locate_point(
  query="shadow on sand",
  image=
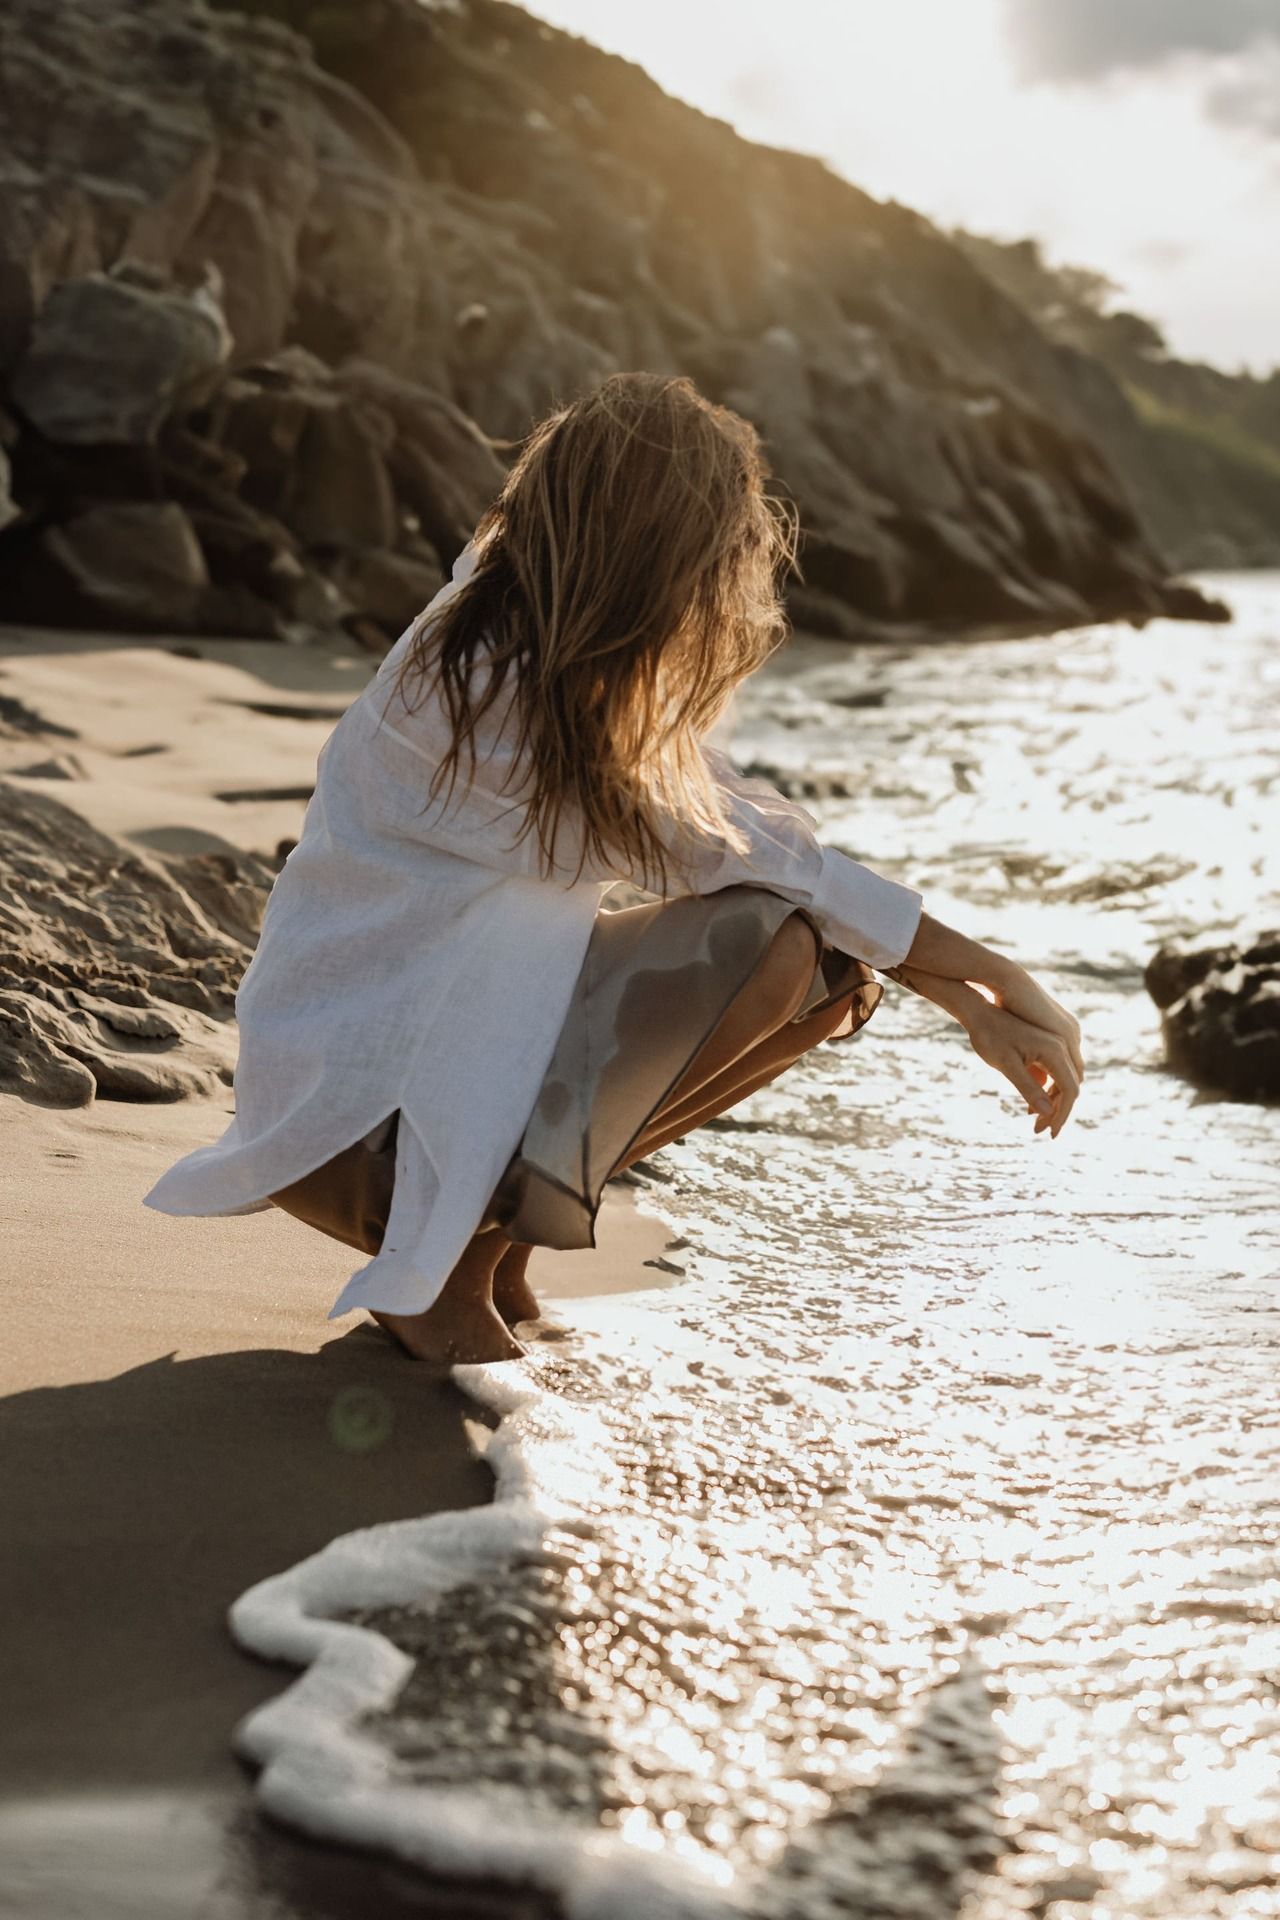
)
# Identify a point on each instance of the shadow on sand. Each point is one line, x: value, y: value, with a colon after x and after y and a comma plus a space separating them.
x: 134, y: 1511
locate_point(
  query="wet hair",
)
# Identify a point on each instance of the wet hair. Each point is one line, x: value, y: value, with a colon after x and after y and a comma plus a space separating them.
x: 627, y: 579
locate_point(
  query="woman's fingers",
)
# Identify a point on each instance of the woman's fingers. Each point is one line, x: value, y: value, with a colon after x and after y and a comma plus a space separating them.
x: 1062, y: 1068
x: 1047, y: 1081
x: 1021, y: 1075
x: 1027, y: 1000
x: 1038, y: 1062
x: 1072, y: 1038
x: 1066, y: 1084
x: 1066, y: 1029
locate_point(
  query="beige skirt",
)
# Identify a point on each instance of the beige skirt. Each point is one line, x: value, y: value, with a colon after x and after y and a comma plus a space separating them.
x: 655, y: 983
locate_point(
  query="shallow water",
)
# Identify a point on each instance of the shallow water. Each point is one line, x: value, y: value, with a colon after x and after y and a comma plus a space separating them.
x: 916, y: 1554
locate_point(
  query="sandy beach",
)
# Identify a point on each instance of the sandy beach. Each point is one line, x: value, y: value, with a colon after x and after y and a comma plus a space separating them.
x: 179, y: 1418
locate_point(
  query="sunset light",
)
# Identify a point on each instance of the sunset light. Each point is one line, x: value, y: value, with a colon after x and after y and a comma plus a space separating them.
x: 640, y: 959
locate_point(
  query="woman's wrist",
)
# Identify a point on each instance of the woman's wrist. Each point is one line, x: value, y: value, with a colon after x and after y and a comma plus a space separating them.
x: 946, y: 954
x: 1002, y: 973
x: 955, y: 997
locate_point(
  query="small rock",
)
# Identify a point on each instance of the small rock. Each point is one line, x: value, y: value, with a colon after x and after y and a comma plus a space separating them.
x: 61, y: 766
x: 873, y: 697
x: 1220, y: 1015
x: 1080, y: 1885
x: 16, y: 718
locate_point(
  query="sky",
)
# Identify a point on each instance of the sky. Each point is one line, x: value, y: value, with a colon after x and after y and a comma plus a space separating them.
x: 1137, y: 137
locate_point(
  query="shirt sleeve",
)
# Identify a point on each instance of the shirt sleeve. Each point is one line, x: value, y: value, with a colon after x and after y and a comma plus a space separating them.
x: 857, y: 910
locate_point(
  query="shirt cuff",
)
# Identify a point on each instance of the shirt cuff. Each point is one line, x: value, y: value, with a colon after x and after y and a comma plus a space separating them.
x: 864, y: 914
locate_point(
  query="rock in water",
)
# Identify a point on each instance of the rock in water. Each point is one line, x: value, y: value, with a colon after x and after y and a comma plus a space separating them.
x: 1220, y: 1012
x: 117, y: 973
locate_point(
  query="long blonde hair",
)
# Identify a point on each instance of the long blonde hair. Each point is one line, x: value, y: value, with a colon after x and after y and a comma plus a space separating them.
x: 627, y: 576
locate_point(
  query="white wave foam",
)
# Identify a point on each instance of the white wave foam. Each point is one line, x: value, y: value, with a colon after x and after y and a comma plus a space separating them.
x: 322, y: 1774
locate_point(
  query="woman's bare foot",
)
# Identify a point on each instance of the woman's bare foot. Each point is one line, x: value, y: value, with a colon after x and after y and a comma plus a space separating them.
x: 463, y: 1325
x: 514, y: 1298
x: 478, y: 1333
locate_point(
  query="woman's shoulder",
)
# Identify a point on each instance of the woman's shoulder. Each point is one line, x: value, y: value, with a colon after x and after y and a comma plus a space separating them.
x: 463, y: 568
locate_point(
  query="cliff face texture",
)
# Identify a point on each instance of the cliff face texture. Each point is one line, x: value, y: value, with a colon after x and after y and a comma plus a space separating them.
x: 1199, y: 449
x: 274, y: 282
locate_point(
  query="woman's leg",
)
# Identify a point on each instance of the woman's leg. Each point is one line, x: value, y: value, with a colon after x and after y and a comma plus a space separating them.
x: 753, y: 1070
x: 765, y: 1005
x: 756, y: 1039
x: 733, y: 1061
x: 513, y: 1296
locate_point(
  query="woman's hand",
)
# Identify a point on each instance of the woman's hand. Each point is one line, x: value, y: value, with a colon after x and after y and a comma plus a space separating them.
x: 1037, y: 1061
x: 1016, y: 993
x: 1044, y: 1063
x: 939, y: 949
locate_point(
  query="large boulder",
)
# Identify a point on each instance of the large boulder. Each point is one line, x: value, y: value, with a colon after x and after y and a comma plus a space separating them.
x: 313, y: 456
x: 112, y: 355
x: 445, y: 469
x: 1220, y: 1014
x: 389, y: 589
x: 132, y: 566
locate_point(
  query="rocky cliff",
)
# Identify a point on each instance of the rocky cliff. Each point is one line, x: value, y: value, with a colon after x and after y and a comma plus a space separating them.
x: 1198, y: 448
x: 279, y: 286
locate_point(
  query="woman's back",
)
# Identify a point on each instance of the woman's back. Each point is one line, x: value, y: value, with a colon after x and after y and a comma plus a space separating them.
x: 396, y: 968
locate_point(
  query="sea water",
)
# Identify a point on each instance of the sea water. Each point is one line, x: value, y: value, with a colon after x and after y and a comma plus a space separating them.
x: 914, y: 1554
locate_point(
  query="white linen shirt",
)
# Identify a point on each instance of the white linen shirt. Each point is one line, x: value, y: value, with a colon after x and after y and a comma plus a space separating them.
x: 419, y: 960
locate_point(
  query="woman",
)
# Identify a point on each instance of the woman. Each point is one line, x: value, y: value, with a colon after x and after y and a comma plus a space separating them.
x: 446, y: 1047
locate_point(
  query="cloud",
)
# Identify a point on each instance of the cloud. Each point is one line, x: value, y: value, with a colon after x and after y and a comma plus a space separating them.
x: 1162, y: 255
x: 1247, y: 93
x: 1083, y: 40
x: 758, y: 90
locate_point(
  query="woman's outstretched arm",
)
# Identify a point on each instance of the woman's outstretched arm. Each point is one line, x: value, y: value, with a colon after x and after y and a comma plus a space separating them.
x: 861, y: 912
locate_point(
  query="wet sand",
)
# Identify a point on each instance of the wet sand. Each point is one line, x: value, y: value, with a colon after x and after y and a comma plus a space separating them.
x: 178, y: 1421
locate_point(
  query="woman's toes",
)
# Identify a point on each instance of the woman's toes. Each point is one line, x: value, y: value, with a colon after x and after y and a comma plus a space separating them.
x: 478, y: 1337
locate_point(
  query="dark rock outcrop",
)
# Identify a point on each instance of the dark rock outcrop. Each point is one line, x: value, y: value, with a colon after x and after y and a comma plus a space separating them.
x: 112, y: 355
x: 135, y: 566
x: 1220, y: 1013
x: 330, y: 256
x: 117, y: 973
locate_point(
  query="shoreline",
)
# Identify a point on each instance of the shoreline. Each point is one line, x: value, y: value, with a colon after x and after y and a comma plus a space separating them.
x: 184, y: 1422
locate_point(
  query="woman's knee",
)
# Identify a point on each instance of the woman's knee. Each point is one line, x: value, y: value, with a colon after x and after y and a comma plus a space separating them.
x: 785, y: 975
